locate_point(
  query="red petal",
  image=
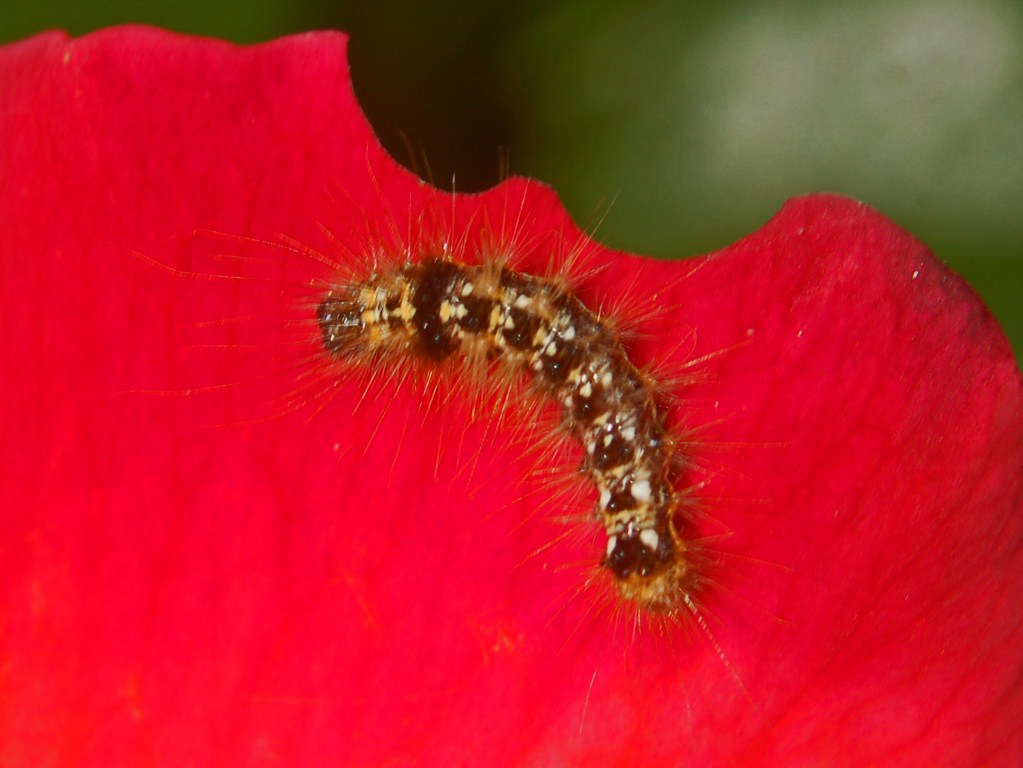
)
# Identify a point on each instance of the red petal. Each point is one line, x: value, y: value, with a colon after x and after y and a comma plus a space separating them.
x: 176, y: 593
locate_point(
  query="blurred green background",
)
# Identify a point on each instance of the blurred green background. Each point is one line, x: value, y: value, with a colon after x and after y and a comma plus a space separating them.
x: 682, y: 126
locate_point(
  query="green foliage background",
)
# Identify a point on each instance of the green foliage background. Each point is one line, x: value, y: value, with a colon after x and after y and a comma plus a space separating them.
x: 682, y: 126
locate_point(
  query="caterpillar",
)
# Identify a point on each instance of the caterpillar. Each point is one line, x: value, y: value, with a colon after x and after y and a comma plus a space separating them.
x: 441, y: 309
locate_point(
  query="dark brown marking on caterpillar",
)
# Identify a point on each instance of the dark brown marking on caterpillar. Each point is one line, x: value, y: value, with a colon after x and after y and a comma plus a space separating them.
x: 440, y: 309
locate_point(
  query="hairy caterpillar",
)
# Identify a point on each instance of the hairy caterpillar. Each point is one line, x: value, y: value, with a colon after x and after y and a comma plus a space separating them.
x: 440, y: 309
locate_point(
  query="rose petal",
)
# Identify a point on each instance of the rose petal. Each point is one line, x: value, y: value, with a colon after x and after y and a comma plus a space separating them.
x: 188, y: 581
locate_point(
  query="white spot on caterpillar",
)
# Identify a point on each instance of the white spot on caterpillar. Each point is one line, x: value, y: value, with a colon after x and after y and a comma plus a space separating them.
x: 649, y: 538
x: 641, y: 491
